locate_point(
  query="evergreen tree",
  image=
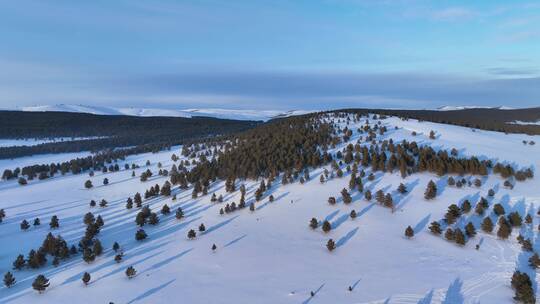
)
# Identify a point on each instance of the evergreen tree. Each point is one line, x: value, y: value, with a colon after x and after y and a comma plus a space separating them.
x: 452, y: 214
x: 326, y: 226
x: 153, y: 219
x: 402, y: 189
x: 330, y: 245
x: 409, y: 232
x: 40, y: 283
x: 534, y: 261
x: 9, y: 279
x: 131, y: 272
x: 105, y: 181
x: 431, y: 190
x: 332, y: 200
x: 514, y: 219
x: 505, y: 229
x: 97, y: 248
x: 466, y: 206
x: 86, y: 278
x: 54, y: 222
x: 313, y: 223
x: 353, y: 214
x: 214, y: 247
x: 37, y: 222
x: 367, y: 195
x: 459, y: 237
x: 435, y: 227
x: 140, y: 235
x: 191, y: 234
x: 252, y: 207
x: 92, y: 203
x: 179, y: 213
x: 118, y: 258
x: 138, y: 200
x: 88, y: 184
x: 498, y: 209
x: 449, y: 234
x: 202, y: 228
x: 522, y: 284
x: 116, y: 246
x: 140, y: 219
x: 24, y: 225
x: 165, y: 209
x: 487, y: 225
x: 19, y: 263
x: 470, y: 231
x: 88, y: 255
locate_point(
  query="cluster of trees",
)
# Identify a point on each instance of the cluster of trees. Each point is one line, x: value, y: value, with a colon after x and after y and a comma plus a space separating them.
x: 55, y: 246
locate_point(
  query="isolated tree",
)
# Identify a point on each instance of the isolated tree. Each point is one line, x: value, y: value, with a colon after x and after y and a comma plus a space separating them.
x: 332, y: 200
x: 118, y: 258
x: 505, y: 229
x: 202, y: 228
x: 88, y: 184
x: 214, y: 247
x: 86, y: 278
x: 138, y: 200
x: 409, y: 232
x: 487, y: 225
x: 402, y: 189
x: 191, y: 234
x: 313, y: 223
x: 534, y: 261
x: 103, y: 203
x: 252, y: 207
x: 105, y: 181
x: 24, y: 225
x: 326, y: 226
x: 367, y: 195
x: 92, y: 203
x: 40, y: 283
x: 330, y: 245
x: 435, y: 227
x: 165, y: 209
x: 130, y: 272
x: 54, y: 222
x: 179, y: 213
x: 431, y: 190
x: 353, y: 214
x: 140, y: 235
x: 116, y: 246
x: 37, y: 222
x: 9, y: 279
x: 19, y: 262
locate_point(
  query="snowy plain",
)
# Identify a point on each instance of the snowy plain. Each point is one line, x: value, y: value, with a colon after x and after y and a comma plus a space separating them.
x: 271, y: 255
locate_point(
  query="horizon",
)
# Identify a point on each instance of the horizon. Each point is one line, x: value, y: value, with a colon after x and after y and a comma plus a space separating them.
x: 279, y: 55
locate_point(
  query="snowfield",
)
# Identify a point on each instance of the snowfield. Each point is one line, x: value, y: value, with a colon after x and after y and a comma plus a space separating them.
x: 271, y: 255
x: 263, y: 115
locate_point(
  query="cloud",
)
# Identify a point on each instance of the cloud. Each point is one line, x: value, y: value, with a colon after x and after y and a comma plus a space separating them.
x: 502, y: 71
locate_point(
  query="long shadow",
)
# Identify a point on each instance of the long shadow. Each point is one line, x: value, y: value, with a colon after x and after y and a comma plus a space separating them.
x: 342, y: 241
x: 151, y: 292
x: 422, y: 224
x: 453, y: 294
x: 441, y: 185
x: 353, y: 286
x: 167, y: 260
x: 427, y: 298
x: 234, y: 241
x: 365, y: 210
x: 314, y: 294
x: 120, y: 269
x: 340, y: 220
x: 217, y: 226
x: 330, y: 216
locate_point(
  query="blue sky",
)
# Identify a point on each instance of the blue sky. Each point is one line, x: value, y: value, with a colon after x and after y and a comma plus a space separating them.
x: 280, y: 54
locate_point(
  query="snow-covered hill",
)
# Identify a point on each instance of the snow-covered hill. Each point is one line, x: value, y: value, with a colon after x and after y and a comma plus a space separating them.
x: 270, y: 255
x: 263, y: 115
x: 457, y: 108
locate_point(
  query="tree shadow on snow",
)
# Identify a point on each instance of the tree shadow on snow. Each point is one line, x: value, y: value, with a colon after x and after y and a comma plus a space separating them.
x: 151, y: 292
x: 342, y: 241
x: 453, y: 294
x: 314, y: 294
x: 422, y: 224
x: 427, y: 298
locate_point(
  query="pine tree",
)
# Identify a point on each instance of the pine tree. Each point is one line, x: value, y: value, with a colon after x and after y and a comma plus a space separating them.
x: 522, y: 284
x: 24, y: 225
x: 534, y: 261
x: 470, y: 231
x: 54, y: 222
x: 40, y: 283
x: 165, y: 209
x: 409, y: 232
x: 514, y: 219
x: 9, y: 279
x: 202, y: 228
x: 105, y: 181
x: 191, y: 234
x: 37, y: 222
x: 431, y: 190
x: 92, y: 203
x: 97, y: 248
x: 86, y: 278
x: 528, y: 219
x: 453, y: 213
x: 435, y: 227
x: 459, y: 237
x: 19, y: 263
x: 326, y: 226
x: 153, y: 219
x: 116, y: 246
x: 140, y: 235
x: 313, y: 223
x: 498, y: 209
x: 88, y: 184
x: 449, y: 234
x: 88, y: 255
x: 402, y: 189
x: 367, y: 195
x: 179, y: 213
x: 353, y: 214
x: 504, y: 228
x: 332, y: 200
x: 130, y: 272
x: 487, y: 225
x: 214, y: 247
x: 330, y: 245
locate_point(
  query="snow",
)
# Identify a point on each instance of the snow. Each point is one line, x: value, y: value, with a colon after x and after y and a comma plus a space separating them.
x: 457, y: 108
x: 263, y: 115
x: 271, y: 255
x: 519, y: 122
x: 5, y: 142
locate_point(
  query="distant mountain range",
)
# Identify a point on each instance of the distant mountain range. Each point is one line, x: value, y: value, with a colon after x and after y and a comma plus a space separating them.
x: 258, y: 115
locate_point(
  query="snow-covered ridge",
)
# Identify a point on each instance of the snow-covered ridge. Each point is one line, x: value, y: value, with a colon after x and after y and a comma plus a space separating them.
x: 457, y: 108
x: 263, y: 115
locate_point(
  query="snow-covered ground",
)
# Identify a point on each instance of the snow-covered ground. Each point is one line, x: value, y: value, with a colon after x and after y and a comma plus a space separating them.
x: 5, y: 142
x: 271, y: 255
x: 263, y: 115
x: 457, y: 108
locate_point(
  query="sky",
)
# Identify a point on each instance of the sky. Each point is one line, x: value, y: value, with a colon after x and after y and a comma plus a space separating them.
x: 279, y: 54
